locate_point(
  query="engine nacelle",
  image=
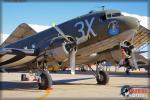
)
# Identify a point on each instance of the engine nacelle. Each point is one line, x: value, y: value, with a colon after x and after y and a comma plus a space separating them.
x: 60, y: 53
x: 60, y: 49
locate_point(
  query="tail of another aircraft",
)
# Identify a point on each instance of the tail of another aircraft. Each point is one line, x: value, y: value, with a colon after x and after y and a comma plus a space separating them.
x: 22, y: 31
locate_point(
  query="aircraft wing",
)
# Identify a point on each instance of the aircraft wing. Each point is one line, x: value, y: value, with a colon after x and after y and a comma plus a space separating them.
x: 15, y: 56
x: 142, y: 37
x: 15, y: 51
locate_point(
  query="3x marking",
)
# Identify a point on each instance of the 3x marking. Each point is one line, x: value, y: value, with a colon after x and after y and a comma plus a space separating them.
x: 81, y: 29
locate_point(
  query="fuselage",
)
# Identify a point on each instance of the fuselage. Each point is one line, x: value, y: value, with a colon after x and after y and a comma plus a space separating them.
x: 103, y: 24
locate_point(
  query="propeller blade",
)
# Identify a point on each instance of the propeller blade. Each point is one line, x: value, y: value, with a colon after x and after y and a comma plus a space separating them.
x: 61, y: 33
x: 133, y: 36
x: 133, y: 52
x: 134, y: 60
x: 141, y: 51
x: 72, y: 51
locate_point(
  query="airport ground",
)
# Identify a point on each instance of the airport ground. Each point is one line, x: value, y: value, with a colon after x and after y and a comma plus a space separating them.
x: 81, y: 85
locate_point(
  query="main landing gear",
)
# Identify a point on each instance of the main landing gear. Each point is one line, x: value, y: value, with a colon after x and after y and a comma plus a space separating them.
x: 43, y: 76
x: 44, y: 80
x: 101, y: 76
x: 127, y: 71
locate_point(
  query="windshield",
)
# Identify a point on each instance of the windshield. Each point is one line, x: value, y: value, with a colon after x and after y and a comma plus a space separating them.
x: 109, y: 15
x: 116, y: 14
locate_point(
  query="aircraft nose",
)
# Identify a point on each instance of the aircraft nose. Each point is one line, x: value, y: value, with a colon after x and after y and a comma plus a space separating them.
x: 122, y: 24
x: 130, y: 22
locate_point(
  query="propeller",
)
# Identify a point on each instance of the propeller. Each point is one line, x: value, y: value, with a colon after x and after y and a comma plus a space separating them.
x: 71, y: 47
x: 128, y: 51
x: 61, y: 32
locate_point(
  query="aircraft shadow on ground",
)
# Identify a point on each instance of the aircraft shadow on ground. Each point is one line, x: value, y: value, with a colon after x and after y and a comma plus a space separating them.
x: 68, y: 81
x: 111, y: 74
x: 77, y: 72
x: 5, y: 85
x: 131, y: 75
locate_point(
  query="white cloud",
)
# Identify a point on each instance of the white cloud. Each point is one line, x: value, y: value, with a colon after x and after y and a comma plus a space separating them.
x: 4, y: 37
x: 39, y: 28
x: 144, y: 20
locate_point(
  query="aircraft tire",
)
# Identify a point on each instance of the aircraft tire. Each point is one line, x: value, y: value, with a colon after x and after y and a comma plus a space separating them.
x: 46, y: 81
x: 102, y: 78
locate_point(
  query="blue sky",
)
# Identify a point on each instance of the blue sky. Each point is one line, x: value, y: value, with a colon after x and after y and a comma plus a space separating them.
x: 45, y: 13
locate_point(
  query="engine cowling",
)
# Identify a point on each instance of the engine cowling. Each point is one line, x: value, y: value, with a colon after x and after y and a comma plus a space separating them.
x: 60, y: 48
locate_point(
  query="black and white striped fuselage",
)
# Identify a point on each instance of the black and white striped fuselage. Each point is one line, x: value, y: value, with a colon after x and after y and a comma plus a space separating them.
x: 15, y: 57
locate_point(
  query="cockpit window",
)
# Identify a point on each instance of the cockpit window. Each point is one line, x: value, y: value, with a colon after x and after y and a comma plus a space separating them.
x: 116, y: 14
x: 108, y: 15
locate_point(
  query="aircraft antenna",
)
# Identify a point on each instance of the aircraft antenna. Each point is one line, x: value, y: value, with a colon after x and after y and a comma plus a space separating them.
x: 103, y: 7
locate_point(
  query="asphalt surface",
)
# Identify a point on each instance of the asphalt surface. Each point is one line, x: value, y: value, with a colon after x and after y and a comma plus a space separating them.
x: 81, y: 85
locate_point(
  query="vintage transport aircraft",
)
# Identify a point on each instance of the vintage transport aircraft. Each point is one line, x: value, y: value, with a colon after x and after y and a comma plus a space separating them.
x: 73, y: 40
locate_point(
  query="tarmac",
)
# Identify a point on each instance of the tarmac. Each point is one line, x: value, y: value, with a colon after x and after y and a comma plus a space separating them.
x: 82, y: 85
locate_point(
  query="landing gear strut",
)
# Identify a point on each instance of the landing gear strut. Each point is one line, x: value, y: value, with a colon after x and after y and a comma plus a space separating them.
x: 44, y: 77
